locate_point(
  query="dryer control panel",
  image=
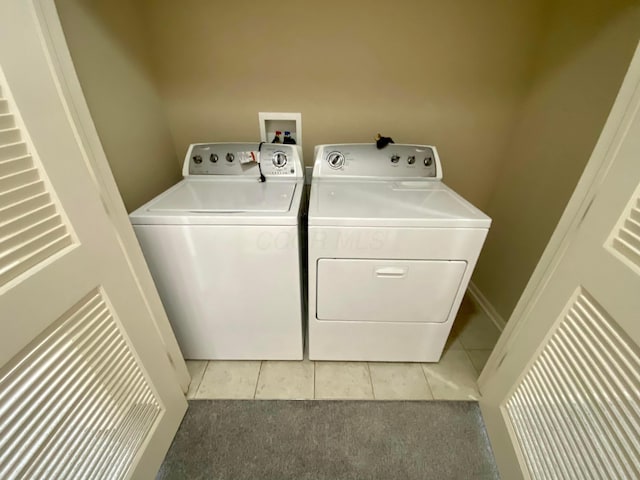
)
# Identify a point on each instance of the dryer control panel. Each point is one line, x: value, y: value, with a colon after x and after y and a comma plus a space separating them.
x: 395, y: 161
x: 241, y: 159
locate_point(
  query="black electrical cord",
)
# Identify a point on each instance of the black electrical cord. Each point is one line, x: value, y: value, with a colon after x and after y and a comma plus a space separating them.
x: 382, y: 142
x: 262, y: 178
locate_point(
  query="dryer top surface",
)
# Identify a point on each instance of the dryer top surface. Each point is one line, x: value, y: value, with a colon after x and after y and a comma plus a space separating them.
x: 392, y: 203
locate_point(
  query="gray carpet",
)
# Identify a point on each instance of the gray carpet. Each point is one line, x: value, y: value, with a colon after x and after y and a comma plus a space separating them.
x: 239, y: 439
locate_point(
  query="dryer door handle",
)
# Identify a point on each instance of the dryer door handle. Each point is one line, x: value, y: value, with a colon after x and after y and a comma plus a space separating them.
x: 391, y: 272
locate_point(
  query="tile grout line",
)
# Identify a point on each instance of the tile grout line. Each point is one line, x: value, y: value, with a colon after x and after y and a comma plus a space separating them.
x: 426, y: 379
x: 477, y: 374
x: 373, y: 393
x: 195, y: 395
x: 474, y: 367
x: 255, y: 390
x: 201, y: 378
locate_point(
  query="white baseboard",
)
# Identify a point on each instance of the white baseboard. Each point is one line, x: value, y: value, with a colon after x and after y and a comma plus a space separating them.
x: 483, y: 302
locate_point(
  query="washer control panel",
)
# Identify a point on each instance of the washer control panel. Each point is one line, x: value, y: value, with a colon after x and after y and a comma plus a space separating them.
x: 276, y: 160
x: 365, y: 160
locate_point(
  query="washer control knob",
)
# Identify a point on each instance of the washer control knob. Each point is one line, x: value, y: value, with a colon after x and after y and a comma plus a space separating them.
x: 395, y: 158
x: 213, y: 158
x: 279, y: 159
x: 428, y: 161
x: 197, y: 159
x: 335, y: 160
x: 411, y: 159
x: 230, y: 157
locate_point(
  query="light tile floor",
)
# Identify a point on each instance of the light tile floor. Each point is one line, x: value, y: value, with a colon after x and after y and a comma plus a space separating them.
x: 454, y: 378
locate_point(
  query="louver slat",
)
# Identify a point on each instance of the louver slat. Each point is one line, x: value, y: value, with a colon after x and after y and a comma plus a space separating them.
x: 626, y: 241
x: 15, y: 165
x: 22, y: 201
x: 16, y: 180
x: 40, y: 230
x: 632, y: 226
x: 12, y: 150
x: 33, y: 259
x: 9, y: 135
x: 31, y: 226
x: 89, y: 448
x: 94, y: 413
x: 579, y: 403
x: 36, y: 412
x: 7, y: 121
x: 22, y: 222
x: 75, y: 404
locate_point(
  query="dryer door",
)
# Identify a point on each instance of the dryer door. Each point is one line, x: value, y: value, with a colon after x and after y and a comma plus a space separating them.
x: 387, y: 290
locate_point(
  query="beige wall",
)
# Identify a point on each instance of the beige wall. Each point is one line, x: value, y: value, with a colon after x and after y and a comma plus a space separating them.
x: 446, y: 73
x: 514, y: 94
x: 583, y: 57
x: 107, y: 44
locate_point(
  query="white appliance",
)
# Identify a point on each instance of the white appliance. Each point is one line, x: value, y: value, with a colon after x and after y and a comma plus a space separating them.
x: 224, y: 251
x: 391, y: 251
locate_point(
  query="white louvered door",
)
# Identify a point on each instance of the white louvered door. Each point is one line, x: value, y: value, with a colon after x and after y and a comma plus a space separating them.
x: 86, y: 388
x: 564, y: 400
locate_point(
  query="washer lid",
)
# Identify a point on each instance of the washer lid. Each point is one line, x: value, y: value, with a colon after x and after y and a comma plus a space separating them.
x: 203, y: 201
x: 392, y: 203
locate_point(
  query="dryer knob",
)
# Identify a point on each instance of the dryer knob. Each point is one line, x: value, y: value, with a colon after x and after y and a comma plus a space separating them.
x: 230, y: 157
x: 395, y: 158
x: 335, y: 160
x: 279, y: 159
x: 411, y: 160
x: 213, y: 158
x: 197, y: 159
x: 428, y: 161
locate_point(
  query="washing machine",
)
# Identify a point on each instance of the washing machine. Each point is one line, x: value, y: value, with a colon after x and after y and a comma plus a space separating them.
x: 223, y: 248
x: 391, y: 249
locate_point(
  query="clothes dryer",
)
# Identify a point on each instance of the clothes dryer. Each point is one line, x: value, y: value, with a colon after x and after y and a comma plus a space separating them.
x: 391, y: 249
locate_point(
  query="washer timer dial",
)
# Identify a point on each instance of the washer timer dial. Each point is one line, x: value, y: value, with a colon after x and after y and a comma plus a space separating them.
x: 335, y: 160
x: 279, y: 159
